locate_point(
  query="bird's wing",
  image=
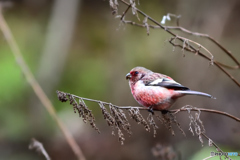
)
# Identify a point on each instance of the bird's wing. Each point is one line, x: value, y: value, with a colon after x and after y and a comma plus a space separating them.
x: 165, y: 81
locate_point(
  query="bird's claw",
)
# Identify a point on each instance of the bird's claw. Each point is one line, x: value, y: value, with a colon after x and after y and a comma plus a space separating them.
x: 151, y: 110
x: 164, y: 111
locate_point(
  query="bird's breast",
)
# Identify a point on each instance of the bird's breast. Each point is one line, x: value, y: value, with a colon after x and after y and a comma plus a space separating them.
x: 151, y: 95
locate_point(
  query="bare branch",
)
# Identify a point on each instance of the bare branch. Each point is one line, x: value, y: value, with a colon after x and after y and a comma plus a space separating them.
x: 215, y: 145
x: 220, y: 65
x: 125, y: 12
x: 192, y: 33
x: 211, y: 39
x: 175, y: 111
x: 186, y: 41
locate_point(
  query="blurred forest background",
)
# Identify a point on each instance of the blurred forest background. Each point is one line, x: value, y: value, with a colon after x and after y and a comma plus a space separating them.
x: 79, y: 47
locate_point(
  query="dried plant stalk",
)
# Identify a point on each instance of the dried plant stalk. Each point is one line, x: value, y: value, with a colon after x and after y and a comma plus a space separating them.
x: 117, y: 119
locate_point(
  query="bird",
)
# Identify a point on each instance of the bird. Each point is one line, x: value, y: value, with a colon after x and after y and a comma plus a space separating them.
x: 157, y: 91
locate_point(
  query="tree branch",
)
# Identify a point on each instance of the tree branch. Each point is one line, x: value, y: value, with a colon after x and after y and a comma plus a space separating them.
x: 220, y: 65
x: 211, y: 39
x: 175, y: 111
x: 214, y: 144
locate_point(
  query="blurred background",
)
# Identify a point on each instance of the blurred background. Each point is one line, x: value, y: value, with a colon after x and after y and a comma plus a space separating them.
x: 79, y: 47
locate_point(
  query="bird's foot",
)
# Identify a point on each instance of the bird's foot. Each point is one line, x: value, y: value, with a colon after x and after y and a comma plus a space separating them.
x: 164, y: 111
x: 151, y: 110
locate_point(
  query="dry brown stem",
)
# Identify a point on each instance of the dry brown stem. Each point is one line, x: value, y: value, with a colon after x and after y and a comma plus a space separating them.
x: 118, y: 120
x: 36, y: 87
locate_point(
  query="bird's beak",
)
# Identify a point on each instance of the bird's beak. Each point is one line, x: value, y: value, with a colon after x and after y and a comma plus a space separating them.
x: 128, y: 76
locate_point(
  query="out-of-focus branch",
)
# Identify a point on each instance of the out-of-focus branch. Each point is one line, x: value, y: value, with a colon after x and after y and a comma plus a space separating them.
x: 36, y: 87
x: 58, y: 39
x: 38, y: 146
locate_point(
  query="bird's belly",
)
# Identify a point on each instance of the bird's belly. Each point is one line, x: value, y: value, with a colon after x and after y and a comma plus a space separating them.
x: 157, y: 97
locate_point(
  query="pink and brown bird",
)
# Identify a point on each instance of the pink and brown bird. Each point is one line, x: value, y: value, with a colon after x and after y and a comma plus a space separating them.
x: 156, y: 91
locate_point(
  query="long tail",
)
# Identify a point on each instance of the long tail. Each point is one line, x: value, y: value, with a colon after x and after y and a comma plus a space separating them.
x: 189, y: 92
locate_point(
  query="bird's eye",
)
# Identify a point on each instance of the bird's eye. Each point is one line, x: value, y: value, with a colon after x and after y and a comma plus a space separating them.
x: 136, y: 72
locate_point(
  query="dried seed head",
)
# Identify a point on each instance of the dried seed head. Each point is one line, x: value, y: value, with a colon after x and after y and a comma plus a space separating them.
x: 152, y: 123
x: 83, y: 111
x: 121, y: 121
x: 166, y: 120
x: 114, y: 6
x: 120, y: 136
x: 195, y: 122
x: 137, y: 116
x: 62, y: 96
x: 107, y: 116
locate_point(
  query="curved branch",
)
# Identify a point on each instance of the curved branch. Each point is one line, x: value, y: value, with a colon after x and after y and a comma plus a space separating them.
x: 175, y: 111
x: 192, y: 33
x: 211, y: 39
x: 218, y: 64
x: 193, y: 50
x: 214, y: 144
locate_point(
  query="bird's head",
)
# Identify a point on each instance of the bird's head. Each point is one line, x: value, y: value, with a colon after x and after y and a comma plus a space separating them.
x: 137, y: 73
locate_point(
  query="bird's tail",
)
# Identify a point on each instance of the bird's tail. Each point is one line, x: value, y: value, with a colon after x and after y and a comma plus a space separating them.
x: 189, y: 92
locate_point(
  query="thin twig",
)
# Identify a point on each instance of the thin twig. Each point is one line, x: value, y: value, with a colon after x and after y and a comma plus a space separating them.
x: 215, y: 145
x: 188, y: 40
x: 175, y: 111
x: 125, y: 12
x: 218, y: 64
x: 210, y: 38
x: 192, y: 33
x: 36, y: 87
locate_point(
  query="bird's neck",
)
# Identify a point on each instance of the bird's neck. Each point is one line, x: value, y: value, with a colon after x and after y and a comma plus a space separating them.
x: 132, y: 86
